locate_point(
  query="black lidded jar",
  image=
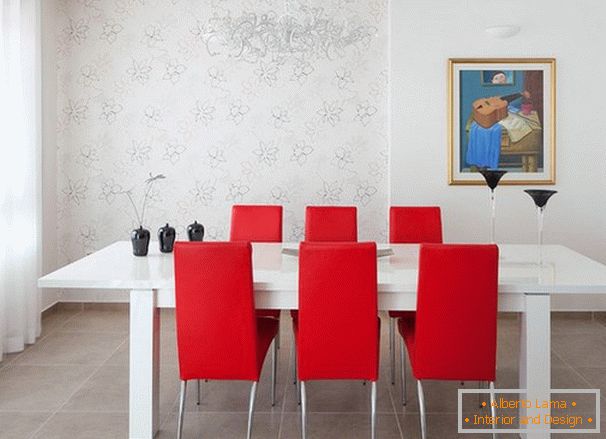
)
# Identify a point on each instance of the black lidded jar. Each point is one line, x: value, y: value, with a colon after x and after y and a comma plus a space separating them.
x: 166, y: 238
x: 195, y: 231
x: 140, y: 240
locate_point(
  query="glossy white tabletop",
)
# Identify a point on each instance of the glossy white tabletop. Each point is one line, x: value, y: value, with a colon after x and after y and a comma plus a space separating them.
x: 114, y: 267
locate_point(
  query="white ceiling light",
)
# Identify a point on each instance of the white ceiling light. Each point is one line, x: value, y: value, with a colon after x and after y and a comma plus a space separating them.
x: 502, y: 31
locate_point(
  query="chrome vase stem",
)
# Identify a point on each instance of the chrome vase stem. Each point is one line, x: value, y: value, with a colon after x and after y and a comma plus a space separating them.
x: 493, y: 216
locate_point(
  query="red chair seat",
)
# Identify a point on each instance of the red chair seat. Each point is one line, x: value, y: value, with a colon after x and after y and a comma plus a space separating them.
x: 268, y: 313
x: 401, y: 314
x: 267, y: 328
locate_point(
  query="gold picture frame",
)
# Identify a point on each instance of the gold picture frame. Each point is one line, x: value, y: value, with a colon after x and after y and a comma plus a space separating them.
x: 522, y: 141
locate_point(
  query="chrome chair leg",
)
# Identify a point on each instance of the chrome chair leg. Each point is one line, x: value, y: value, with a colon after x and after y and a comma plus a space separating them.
x: 373, y: 410
x: 403, y: 372
x: 198, y: 396
x: 251, y: 408
x: 181, y: 409
x: 294, y: 366
x: 422, y: 419
x: 274, y: 371
x: 303, y: 410
x: 299, y: 392
x: 493, y: 408
x: 392, y: 349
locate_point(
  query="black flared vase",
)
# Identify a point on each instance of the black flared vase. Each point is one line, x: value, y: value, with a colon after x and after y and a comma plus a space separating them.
x: 140, y: 240
x: 166, y: 238
x: 492, y: 177
x: 195, y: 231
x: 540, y: 196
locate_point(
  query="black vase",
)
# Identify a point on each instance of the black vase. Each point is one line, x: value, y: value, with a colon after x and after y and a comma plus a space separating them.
x: 140, y: 240
x: 540, y: 196
x: 195, y: 231
x: 166, y: 238
x: 492, y: 177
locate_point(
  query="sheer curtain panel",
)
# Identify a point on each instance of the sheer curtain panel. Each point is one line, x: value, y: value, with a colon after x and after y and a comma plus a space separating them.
x: 20, y: 174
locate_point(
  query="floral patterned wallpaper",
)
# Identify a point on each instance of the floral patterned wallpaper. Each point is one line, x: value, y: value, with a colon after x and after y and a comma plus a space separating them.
x: 234, y: 101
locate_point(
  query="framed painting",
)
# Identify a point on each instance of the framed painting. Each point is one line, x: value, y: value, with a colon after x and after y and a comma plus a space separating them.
x: 501, y: 116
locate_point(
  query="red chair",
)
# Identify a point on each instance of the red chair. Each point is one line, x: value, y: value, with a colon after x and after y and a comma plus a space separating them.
x: 218, y: 335
x: 257, y: 223
x: 337, y: 329
x: 331, y: 223
x: 453, y: 335
x: 410, y: 225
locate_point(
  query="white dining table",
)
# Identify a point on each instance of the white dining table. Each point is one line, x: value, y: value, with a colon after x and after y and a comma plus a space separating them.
x: 526, y: 285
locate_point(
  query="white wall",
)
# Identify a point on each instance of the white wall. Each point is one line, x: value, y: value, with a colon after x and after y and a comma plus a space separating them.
x: 424, y: 34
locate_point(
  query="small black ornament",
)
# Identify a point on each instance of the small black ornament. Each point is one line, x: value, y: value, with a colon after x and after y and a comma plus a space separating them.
x: 140, y: 240
x: 195, y: 232
x: 166, y: 238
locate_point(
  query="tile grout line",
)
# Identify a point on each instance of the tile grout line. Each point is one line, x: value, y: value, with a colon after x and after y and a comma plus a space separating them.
x: 286, y: 384
x: 76, y: 390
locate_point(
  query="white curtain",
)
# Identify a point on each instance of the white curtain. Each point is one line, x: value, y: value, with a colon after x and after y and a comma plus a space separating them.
x: 20, y: 173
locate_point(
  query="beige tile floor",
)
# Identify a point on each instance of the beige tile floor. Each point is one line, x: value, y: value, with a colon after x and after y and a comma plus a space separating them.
x: 73, y: 384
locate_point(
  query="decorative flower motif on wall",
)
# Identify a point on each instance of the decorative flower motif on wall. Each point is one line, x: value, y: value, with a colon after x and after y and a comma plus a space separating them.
x: 343, y: 157
x: 236, y: 191
x: 88, y: 156
x: 343, y: 78
x: 279, y: 195
x: 139, y: 71
x: 75, y: 191
x: 216, y: 76
x: 237, y: 111
x: 300, y: 152
x: 110, y: 31
x: 109, y: 190
x: 216, y: 157
x: 174, y: 70
x: 331, y: 192
x: 364, y: 193
x: 279, y: 116
x: 76, y: 110
x: 152, y: 116
x: 203, y: 192
x: 76, y: 31
x: 173, y: 151
x: 364, y: 112
x: 152, y: 35
x: 301, y: 70
x: 267, y: 73
x: 139, y: 152
x: 89, y: 75
x: 330, y: 112
x: 204, y: 112
x: 267, y: 153
x: 110, y: 110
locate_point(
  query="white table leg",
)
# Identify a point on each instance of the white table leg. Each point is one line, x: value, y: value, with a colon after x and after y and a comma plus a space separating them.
x: 535, y: 358
x: 144, y: 372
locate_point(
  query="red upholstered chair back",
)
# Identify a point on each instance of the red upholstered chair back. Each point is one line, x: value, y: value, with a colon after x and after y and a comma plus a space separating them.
x: 216, y: 326
x: 415, y: 225
x: 338, y: 329
x: 456, y: 321
x: 331, y: 223
x: 256, y: 223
